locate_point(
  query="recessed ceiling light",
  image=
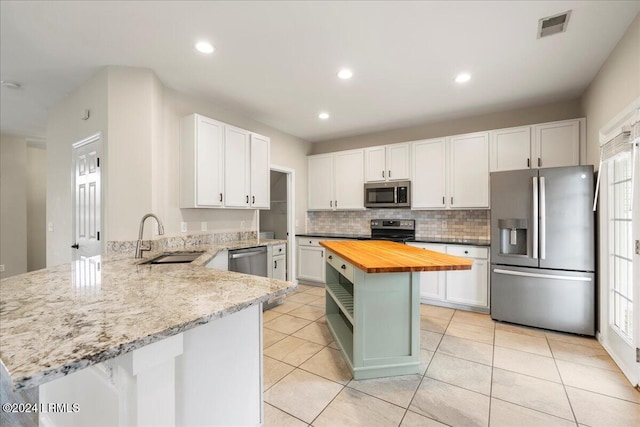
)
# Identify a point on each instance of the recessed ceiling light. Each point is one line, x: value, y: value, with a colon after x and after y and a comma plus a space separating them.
x: 204, y: 47
x: 323, y: 116
x: 9, y: 84
x: 345, y: 74
x: 463, y: 77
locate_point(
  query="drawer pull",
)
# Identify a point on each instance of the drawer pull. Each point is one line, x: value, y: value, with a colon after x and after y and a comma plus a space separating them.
x: 343, y: 266
x: 330, y: 256
x: 466, y: 252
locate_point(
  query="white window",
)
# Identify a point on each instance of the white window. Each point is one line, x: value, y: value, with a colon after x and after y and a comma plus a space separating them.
x: 621, y: 245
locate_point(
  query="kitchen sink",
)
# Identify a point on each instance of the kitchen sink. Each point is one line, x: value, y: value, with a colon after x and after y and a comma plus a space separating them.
x: 174, y: 258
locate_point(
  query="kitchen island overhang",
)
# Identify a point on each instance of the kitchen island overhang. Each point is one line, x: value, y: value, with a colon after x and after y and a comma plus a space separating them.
x: 146, y: 338
x: 373, y: 303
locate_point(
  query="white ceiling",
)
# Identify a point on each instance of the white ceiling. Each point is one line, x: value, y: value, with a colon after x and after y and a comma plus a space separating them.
x: 276, y: 62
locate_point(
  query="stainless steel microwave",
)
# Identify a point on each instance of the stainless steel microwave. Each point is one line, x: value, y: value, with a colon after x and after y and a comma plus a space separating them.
x: 394, y: 194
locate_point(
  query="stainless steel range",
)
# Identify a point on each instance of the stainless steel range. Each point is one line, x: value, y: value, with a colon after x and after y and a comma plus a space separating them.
x: 396, y: 230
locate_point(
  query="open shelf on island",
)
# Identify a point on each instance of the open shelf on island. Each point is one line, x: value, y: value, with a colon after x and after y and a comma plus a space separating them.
x: 342, y: 298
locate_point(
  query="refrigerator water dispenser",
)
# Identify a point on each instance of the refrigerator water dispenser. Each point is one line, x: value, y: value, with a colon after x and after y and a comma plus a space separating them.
x: 513, y: 236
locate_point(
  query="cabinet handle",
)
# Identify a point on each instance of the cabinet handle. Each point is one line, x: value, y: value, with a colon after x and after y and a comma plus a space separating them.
x: 330, y: 203
x: 247, y: 198
x: 466, y: 252
x: 336, y: 204
x: 220, y: 196
x: 330, y: 257
x: 452, y: 200
x: 310, y: 242
x: 528, y: 162
x: 383, y: 174
x: 275, y: 264
x: 389, y: 174
x: 321, y: 254
x: 253, y: 199
x: 539, y: 162
x: 443, y: 200
x: 344, y: 267
x: 75, y: 246
x: 280, y: 250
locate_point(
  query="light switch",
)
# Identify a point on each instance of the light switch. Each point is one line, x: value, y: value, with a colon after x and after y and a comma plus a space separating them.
x: 203, y: 226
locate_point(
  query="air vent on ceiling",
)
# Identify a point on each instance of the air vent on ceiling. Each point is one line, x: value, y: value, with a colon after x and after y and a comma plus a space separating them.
x: 553, y: 24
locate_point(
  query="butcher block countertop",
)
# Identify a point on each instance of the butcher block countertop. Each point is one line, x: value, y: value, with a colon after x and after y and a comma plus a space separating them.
x: 378, y: 256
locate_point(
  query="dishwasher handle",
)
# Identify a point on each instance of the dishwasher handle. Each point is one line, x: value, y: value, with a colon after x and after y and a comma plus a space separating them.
x: 245, y: 254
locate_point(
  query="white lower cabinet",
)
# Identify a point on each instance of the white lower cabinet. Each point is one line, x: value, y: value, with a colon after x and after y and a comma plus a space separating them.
x: 463, y: 289
x: 278, y: 256
x: 311, y: 260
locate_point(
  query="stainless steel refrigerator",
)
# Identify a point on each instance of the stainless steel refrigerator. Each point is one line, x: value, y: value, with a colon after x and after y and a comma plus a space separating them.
x: 542, y: 248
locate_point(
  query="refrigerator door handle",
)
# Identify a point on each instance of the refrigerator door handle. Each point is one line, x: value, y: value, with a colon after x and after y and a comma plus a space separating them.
x: 543, y: 220
x: 534, y: 233
x: 542, y: 276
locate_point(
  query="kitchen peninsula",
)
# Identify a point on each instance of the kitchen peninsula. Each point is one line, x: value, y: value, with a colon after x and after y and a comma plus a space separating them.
x: 373, y: 303
x: 136, y: 344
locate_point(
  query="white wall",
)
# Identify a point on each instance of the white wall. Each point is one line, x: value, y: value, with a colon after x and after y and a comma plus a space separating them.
x: 615, y: 86
x: 36, y: 207
x: 13, y: 205
x: 64, y: 128
x: 139, y: 119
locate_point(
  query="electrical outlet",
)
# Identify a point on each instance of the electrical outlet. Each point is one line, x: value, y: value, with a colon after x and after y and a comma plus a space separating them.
x: 637, y: 247
x: 242, y: 225
x: 183, y: 227
x: 443, y: 224
x: 203, y: 226
x: 50, y: 227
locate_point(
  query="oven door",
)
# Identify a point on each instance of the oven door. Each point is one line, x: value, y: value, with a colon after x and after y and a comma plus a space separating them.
x: 380, y: 197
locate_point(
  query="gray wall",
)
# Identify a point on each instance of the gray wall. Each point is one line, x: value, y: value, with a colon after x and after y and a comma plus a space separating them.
x: 539, y: 114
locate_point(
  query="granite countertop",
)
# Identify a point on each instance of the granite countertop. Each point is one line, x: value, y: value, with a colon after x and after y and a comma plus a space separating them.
x: 62, y: 319
x: 383, y: 256
x: 443, y: 240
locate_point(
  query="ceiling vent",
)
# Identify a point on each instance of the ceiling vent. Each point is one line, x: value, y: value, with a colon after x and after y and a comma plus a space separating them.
x: 553, y: 24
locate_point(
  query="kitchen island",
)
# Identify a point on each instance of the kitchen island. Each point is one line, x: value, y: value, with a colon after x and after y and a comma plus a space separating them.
x: 109, y: 341
x: 373, y: 303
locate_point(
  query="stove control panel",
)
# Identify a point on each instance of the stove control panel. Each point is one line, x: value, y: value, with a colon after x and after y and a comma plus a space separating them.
x: 403, y: 224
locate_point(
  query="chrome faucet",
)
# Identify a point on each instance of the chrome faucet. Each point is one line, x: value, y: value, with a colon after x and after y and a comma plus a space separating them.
x: 140, y: 245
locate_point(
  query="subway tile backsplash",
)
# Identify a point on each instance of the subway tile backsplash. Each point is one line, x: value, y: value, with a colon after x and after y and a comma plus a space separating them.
x: 453, y: 224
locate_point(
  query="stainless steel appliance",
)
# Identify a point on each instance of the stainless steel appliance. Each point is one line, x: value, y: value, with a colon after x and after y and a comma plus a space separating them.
x: 395, y: 194
x: 252, y: 261
x: 249, y: 261
x: 542, y: 248
x: 396, y: 230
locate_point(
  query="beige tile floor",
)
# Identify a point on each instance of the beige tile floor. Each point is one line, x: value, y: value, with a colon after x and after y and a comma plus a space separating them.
x: 474, y: 372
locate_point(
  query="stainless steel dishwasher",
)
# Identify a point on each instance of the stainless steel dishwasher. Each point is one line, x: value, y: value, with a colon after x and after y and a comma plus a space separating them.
x: 249, y: 261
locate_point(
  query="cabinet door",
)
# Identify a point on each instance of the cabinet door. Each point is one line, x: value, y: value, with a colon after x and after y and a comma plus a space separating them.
x: 311, y: 263
x: 397, y: 162
x: 428, y: 184
x: 236, y: 167
x: 511, y: 149
x: 349, y: 180
x: 469, y: 171
x: 469, y: 287
x: 557, y: 144
x: 375, y: 164
x: 432, y: 283
x: 279, y: 267
x: 259, y: 172
x: 320, y: 182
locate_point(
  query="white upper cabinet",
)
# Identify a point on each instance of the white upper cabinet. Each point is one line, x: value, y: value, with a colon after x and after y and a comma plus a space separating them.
x: 201, y: 162
x: 544, y: 145
x: 320, y: 180
x: 469, y: 172
x: 386, y: 163
x: 429, y: 185
x: 349, y: 180
x: 222, y: 165
x: 557, y: 144
x: 236, y: 167
x: 511, y: 149
x: 336, y: 181
x: 260, y: 172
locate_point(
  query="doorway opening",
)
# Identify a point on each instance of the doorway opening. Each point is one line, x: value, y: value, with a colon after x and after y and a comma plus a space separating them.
x: 278, y: 221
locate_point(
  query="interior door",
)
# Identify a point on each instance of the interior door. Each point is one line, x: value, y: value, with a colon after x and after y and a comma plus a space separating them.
x: 566, y: 218
x: 87, y: 198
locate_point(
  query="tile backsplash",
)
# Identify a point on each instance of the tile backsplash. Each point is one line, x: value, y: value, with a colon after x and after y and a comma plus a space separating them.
x: 454, y: 224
